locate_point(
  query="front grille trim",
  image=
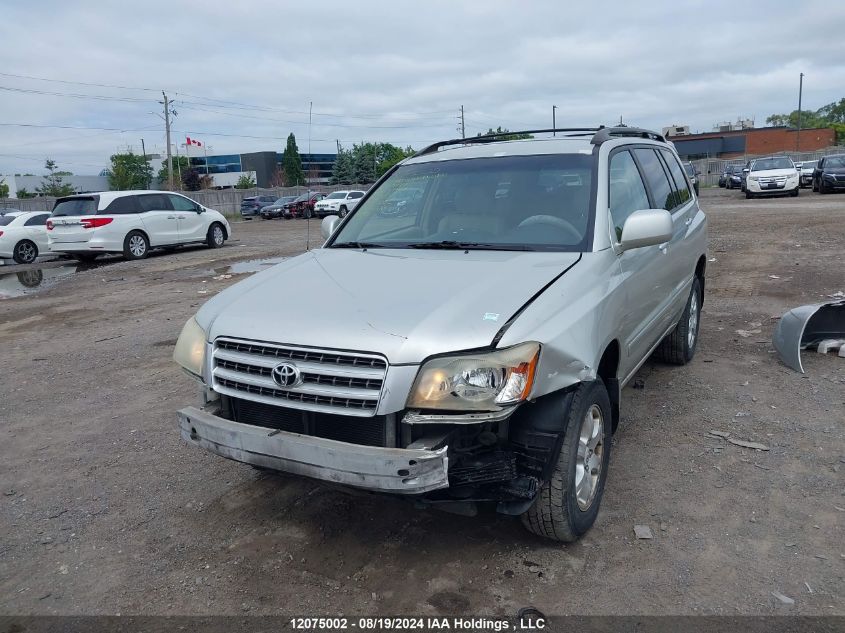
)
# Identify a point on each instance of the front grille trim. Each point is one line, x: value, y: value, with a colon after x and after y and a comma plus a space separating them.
x: 345, y: 383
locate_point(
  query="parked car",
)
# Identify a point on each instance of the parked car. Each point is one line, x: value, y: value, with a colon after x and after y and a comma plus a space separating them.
x: 303, y: 206
x: 805, y: 172
x: 404, y: 201
x: 23, y: 236
x: 132, y: 223
x: 733, y: 176
x: 692, y: 174
x: 484, y: 341
x: 338, y: 203
x: 252, y: 205
x: 829, y: 173
x: 275, y: 210
x: 772, y: 175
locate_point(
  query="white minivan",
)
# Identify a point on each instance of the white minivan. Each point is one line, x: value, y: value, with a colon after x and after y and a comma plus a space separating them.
x: 132, y: 223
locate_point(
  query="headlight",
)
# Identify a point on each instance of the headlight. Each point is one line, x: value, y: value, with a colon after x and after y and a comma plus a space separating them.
x: 476, y: 382
x: 754, y: 178
x: 190, y: 348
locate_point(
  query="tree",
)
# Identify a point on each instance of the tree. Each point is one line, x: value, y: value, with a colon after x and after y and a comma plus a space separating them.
x: 343, y: 171
x: 246, y: 181
x: 365, y: 161
x: 23, y: 194
x: 53, y: 183
x: 389, y: 155
x: 129, y: 171
x: 180, y: 164
x: 191, y: 180
x: 292, y: 163
x: 830, y: 115
x: 4, y: 189
x: 502, y: 134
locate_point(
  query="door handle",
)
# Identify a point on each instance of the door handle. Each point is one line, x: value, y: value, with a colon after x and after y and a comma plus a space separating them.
x: 180, y: 217
x: 663, y: 247
x: 171, y: 217
x: 688, y: 222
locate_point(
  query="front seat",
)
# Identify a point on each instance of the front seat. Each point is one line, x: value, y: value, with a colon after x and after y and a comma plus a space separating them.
x: 473, y: 217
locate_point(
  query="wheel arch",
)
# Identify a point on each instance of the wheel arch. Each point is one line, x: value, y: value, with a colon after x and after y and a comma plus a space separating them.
x: 608, y: 371
x: 700, y: 269
x: 222, y: 226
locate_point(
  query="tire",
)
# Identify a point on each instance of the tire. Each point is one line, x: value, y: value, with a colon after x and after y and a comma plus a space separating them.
x: 343, y: 211
x: 795, y: 193
x: 216, y: 236
x: 562, y: 510
x: 85, y: 257
x: 25, y: 252
x: 822, y: 188
x: 136, y: 245
x: 307, y: 214
x: 680, y: 344
x: 815, y: 186
x: 748, y: 195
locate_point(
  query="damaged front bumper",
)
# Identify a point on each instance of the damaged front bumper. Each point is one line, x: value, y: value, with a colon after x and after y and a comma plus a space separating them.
x: 395, y: 470
x: 805, y: 326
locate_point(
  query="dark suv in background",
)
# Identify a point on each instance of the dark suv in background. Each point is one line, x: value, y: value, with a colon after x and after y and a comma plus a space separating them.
x: 829, y: 174
x: 253, y: 204
x: 303, y: 206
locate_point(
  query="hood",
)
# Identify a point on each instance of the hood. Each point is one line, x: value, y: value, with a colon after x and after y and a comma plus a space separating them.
x: 773, y: 173
x: 405, y: 304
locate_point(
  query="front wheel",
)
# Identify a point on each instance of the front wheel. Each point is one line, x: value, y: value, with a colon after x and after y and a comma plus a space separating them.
x: 136, y: 246
x: 215, y: 236
x: 748, y: 195
x: 25, y: 252
x: 794, y: 194
x: 568, y: 503
x: 307, y: 214
x: 679, y: 345
x: 343, y: 212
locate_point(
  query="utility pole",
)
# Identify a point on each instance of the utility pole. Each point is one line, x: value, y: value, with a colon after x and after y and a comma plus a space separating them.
x: 167, y: 133
x: 554, y: 107
x: 463, y: 129
x: 798, y: 135
x: 146, y: 162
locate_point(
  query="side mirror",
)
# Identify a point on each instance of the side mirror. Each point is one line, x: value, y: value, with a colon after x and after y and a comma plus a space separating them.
x: 646, y: 228
x: 328, y: 225
x: 746, y: 170
x: 200, y: 208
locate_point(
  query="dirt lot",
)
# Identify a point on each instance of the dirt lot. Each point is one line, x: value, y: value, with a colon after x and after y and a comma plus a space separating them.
x: 105, y: 510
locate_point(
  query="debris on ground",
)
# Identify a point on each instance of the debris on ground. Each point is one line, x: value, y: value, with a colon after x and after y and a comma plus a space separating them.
x: 722, y: 434
x: 747, y: 333
x: 784, y: 599
x: 221, y: 277
x: 806, y: 326
x: 745, y: 444
x: 639, y: 383
x: 643, y: 532
x: 809, y: 588
x: 831, y: 345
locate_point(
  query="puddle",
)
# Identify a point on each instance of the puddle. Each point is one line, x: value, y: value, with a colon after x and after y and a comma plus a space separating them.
x: 250, y: 266
x: 33, y: 280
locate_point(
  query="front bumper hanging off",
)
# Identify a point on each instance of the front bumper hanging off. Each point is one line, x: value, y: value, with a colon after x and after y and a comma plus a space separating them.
x: 394, y: 470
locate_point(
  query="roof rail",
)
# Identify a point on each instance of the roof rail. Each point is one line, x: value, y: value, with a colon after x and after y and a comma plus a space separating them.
x: 608, y: 133
x: 501, y: 136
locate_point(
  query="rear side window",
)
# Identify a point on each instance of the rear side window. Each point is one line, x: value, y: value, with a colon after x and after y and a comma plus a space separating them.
x: 123, y: 206
x: 6, y: 220
x: 627, y: 191
x: 682, y: 193
x: 75, y: 206
x: 662, y: 192
x: 154, y: 202
x: 37, y: 220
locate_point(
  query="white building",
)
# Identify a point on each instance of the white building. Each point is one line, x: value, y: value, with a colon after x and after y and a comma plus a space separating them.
x: 80, y: 184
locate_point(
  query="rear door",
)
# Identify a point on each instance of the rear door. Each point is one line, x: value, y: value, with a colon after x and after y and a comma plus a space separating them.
x: 158, y: 218
x: 65, y: 225
x: 191, y: 223
x: 36, y: 230
x: 352, y: 199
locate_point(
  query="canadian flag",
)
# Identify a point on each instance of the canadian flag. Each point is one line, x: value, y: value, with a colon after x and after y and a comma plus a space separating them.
x: 192, y: 141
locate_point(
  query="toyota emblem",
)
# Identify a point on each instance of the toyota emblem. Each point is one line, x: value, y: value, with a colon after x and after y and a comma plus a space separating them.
x: 286, y: 375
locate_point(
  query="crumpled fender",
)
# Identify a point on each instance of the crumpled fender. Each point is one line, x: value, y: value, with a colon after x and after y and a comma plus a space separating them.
x: 806, y: 325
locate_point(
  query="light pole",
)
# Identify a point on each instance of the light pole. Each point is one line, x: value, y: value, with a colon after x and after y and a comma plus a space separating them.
x: 798, y: 134
x: 554, y: 107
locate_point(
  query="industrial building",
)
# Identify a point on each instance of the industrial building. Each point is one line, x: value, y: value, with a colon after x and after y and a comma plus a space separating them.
x: 734, y: 143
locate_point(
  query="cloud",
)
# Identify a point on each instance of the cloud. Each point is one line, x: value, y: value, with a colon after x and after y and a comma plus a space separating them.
x: 396, y: 71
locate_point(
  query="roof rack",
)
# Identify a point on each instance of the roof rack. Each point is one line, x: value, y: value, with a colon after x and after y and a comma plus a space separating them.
x: 608, y: 133
x: 600, y: 135
x: 500, y: 136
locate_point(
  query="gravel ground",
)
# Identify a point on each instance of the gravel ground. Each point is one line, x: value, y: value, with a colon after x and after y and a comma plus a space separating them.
x: 105, y: 510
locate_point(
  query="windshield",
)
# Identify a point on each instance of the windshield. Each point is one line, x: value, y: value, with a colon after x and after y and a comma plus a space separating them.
x: 75, y: 206
x: 336, y: 195
x: 764, y: 164
x: 502, y: 203
x: 284, y: 199
x: 810, y: 164
x: 689, y: 169
x: 836, y: 162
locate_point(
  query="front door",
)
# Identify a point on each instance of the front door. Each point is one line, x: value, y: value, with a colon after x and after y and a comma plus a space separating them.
x: 191, y: 223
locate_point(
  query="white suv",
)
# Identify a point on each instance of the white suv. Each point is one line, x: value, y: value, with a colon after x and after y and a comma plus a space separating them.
x: 131, y: 222
x: 338, y: 203
x: 772, y: 175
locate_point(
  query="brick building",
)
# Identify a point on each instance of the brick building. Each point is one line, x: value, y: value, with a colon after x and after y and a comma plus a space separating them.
x: 753, y: 141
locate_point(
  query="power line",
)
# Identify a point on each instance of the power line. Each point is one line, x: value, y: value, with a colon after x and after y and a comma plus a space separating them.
x: 75, y: 95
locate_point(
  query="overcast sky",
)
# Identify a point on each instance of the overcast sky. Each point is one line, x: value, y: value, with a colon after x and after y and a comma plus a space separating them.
x: 242, y: 74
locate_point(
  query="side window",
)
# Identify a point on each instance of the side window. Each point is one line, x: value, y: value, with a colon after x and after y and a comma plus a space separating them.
x: 122, y: 206
x: 682, y: 194
x: 657, y: 178
x: 181, y: 204
x: 355, y: 195
x: 154, y: 202
x: 37, y: 220
x: 627, y: 191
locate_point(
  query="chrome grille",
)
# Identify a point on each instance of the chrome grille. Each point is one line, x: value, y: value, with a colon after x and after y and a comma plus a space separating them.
x: 348, y: 383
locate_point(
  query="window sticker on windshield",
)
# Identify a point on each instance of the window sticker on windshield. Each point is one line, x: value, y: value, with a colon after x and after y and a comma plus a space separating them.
x: 491, y: 316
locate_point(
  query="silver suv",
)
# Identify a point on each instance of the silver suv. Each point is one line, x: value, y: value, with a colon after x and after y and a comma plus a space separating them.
x: 487, y: 330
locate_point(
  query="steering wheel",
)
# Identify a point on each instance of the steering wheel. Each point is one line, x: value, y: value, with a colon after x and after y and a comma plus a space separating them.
x: 555, y: 221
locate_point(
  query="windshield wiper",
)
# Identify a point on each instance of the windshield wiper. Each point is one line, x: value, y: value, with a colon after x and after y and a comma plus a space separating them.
x: 356, y: 245
x: 453, y: 245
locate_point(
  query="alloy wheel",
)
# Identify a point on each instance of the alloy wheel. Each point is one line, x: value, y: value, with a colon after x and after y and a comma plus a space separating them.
x: 588, y: 463
x: 692, y: 323
x: 217, y: 235
x: 26, y: 253
x: 137, y: 245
